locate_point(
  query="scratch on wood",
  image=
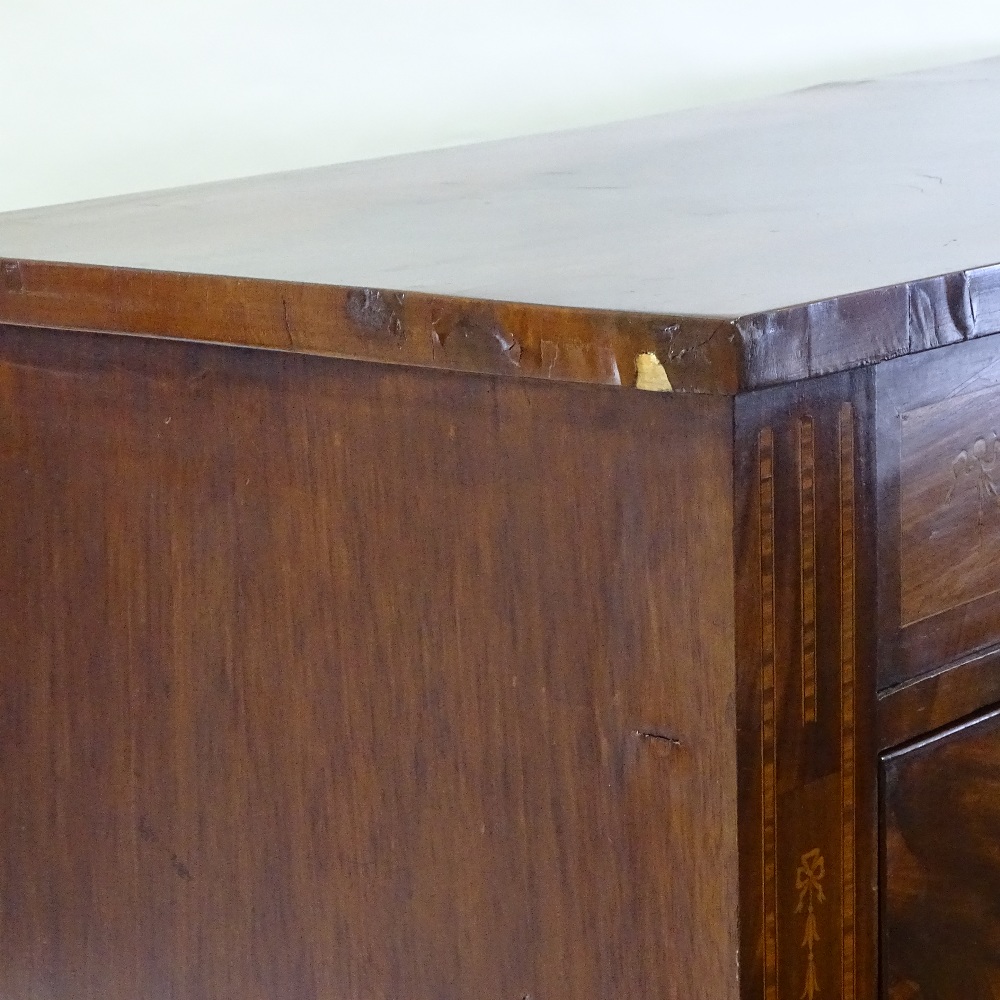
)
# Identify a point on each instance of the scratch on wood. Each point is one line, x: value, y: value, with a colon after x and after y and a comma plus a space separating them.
x: 645, y: 734
x: 148, y: 835
x: 377, y: 313
x: 550, y: 355
x: 287, y: 324
x: 477, y: 341
x: 11, y: 279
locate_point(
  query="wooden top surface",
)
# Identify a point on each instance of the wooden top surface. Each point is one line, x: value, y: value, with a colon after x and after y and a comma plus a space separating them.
x: 742, y: 246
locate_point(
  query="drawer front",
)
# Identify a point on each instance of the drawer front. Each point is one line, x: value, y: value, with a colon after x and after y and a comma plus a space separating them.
x: 941, y: 821
x: 939, y: 477
x: 949, y: 504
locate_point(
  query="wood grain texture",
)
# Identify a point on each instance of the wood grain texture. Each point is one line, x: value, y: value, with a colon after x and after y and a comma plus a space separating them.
x: 949, y: 503
x: 746, y: 246
x: 322, y: 679
x: 939, y: 698
x: 439, y: 678
x: 432, y: 331
x: 939, y: 517
x: 942, y: 865
x: 808, y: 836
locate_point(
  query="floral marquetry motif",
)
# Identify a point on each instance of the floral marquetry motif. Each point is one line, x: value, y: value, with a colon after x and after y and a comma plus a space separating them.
x: 809, y: 883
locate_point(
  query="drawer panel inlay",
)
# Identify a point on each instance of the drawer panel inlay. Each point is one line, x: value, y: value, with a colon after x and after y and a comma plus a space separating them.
x: 949, y: 503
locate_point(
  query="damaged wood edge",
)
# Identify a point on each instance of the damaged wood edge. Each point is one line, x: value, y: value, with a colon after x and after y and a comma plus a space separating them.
x: 864, y: 328
x: 684, y: 354
x: 680, y: 354
x: 650, y: 374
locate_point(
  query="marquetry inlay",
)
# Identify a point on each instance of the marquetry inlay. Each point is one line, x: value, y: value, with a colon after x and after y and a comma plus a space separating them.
x: 808, y: 892
x: 807, y: 565
x: 809, y: 885
x: 847, y: 701
x: 768, y: 742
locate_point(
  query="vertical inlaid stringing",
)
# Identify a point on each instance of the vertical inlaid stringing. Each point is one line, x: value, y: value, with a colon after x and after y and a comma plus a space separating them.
x: 768, y: 743
x: 807, y: 565
x: 847, y: 708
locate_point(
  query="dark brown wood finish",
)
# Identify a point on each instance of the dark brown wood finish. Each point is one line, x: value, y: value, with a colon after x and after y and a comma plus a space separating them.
x: 745, y: 246
x: 327, y: 675
x: 434, y: 331
x: 939, y: 479
x: 934, y: 700
x: 942, y: 865
x: 331, y: 680
x: 740, y: 210
x: 806, y: 689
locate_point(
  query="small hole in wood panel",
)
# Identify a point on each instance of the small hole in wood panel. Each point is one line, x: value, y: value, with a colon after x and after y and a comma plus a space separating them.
x: 645, y: 734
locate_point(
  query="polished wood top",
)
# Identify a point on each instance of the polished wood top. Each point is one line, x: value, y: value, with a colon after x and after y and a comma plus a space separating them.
x: 741, y: 246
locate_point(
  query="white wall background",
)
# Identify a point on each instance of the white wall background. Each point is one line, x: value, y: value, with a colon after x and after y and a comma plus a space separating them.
x: 109, y: 96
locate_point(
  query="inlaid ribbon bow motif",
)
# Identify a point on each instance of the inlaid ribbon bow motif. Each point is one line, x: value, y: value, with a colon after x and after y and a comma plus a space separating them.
x: 809, y: 883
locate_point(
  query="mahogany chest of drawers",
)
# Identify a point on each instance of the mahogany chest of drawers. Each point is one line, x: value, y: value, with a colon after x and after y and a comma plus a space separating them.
x: 553, y: 569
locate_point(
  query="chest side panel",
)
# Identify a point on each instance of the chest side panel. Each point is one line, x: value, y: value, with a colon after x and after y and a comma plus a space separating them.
x: 326, y: 679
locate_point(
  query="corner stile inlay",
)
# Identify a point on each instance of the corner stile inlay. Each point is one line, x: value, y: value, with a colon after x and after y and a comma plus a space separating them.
x: 809, y: 906
x: 847, y: 708
x: 807, y: 565
x: 768, y: 742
